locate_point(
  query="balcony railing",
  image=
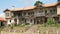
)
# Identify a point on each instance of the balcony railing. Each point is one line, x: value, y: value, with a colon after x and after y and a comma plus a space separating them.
x: 30, y: 15
x: 37, y: 15
x: 24, y: 16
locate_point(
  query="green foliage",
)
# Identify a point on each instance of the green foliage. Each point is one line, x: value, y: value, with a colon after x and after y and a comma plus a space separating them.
x: 50, y: 21
x: 11, y: 26
x: 57, y: 25
x: 21, y: 25
x: 58, y: 0
x: 37, y: 3
x: 38, y: 27
x: 1, y: 28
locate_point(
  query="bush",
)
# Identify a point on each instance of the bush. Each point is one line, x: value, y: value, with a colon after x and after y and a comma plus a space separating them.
x: 11, y: 26
x: 50, y: 21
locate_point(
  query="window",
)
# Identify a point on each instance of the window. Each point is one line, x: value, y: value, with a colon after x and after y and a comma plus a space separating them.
x: 24, y: 13
x: 18, y: 14
x: 7, y: 14
x: 45, y: 11
x: 31, y: 13
x: 53, y: 11
x: 10, y: 20
x: 31, y: 20
x: 25, y: 20
x: 22, y: 19
x: 14, y: 14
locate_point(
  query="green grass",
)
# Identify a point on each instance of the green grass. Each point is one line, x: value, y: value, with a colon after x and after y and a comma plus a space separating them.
x: 46, y: 25
x: 20, y: 25
x: 1, y: 28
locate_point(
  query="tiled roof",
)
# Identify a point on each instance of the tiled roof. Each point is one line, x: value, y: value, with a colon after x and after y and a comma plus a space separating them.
x: 32, y: 7
x: 2, y: 19
x: 25, y: 8
x: 51, y: 4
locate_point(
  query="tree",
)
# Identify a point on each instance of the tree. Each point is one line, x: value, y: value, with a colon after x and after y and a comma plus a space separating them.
x: 58, y: 0
x: 38, y: 3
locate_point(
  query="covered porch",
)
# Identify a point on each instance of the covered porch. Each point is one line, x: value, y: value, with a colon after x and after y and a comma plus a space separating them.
x: 24, y: 21
x: 40, y: 20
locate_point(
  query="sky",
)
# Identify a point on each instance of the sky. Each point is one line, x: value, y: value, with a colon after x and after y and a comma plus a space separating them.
x: 4, y: 4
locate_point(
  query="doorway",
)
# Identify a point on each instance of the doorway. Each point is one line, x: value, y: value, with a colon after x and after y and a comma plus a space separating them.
x: 1, y: 24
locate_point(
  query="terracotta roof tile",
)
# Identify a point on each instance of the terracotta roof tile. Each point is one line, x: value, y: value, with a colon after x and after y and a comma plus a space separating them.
x: 51, y: 4
x: 25, y: 8
x: 32, y: 7
x: 2, y: 19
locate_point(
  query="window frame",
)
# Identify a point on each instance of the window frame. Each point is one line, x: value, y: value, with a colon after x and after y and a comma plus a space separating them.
x: 7, y: 14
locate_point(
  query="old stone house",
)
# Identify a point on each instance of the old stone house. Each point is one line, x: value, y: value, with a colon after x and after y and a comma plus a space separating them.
x: 33, y: 14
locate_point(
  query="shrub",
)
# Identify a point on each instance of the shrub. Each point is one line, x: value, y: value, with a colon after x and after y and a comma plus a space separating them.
x: 11, y: 26
x: 50, y: 21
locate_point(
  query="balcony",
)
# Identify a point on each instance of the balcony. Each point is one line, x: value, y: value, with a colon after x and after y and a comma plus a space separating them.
x: 24, y: 16
x: 39, y: 14
x: 50, y: 14
x: 27, y: 15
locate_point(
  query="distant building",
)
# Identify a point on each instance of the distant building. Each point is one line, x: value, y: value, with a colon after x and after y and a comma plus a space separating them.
x: 33, y: 14
x: 2, y: 21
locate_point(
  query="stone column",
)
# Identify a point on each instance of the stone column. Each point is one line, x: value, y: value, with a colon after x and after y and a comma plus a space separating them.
x: 43, y: 20
x: 36, y: 21
x: 17, y: 21
x: 22, y: 14
x: 32, y: 21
